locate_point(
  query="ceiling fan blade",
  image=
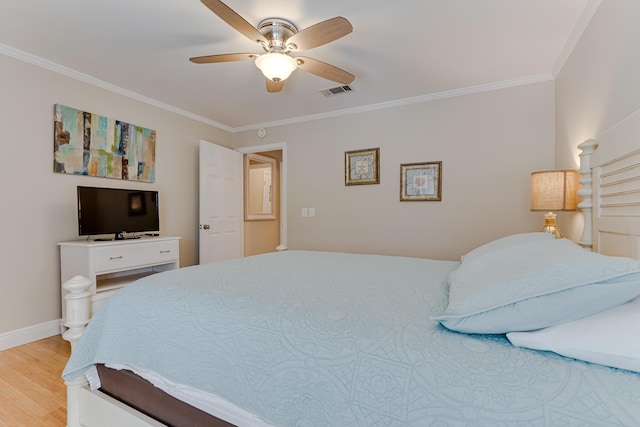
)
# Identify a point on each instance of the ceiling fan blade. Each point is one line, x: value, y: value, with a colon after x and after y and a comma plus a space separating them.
x: 225, y: 57
x: 229, y: 16
x: 320, y: 33
x: 324, y: 70
x: 273, y: 87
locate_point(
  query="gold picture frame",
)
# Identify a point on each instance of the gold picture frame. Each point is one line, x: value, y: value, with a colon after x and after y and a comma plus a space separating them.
x: 421, y: 182
x: 362, y: 166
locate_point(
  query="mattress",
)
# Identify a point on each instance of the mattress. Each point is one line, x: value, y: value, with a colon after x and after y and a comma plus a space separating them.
x: 317, y: 338
x: 140, y: 394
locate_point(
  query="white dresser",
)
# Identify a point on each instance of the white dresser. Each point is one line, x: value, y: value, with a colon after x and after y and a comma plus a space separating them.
x: 111, y: 265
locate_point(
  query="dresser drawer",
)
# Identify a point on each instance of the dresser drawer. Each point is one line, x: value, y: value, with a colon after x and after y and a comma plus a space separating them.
x: 134, y: 255
x: 114, y: 264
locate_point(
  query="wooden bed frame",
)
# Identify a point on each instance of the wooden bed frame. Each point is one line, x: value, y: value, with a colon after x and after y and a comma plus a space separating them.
x: 610, y: 168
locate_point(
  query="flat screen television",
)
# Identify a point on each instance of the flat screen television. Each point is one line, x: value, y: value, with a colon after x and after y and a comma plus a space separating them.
x: 116, y: 211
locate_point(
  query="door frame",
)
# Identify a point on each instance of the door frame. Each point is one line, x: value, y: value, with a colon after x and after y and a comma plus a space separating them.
x: 282, y: 146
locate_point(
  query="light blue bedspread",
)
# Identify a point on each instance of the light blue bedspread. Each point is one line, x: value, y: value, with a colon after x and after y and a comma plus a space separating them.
x: 324, y: 339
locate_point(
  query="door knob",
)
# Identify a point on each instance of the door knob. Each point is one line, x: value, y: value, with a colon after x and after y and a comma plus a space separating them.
x: 207, y: 226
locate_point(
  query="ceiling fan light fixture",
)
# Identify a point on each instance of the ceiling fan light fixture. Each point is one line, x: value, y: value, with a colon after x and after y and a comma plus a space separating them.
x: 276, y: 66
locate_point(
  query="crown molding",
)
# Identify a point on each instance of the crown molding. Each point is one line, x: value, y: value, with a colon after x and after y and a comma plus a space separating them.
x: 402, y: 102
x: 581, y: 25
x: 57, y: 68
x: 68, y: 72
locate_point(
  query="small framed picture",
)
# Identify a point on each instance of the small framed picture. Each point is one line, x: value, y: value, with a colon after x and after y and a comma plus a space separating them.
x: 421, y: 182
x: 362, y: 167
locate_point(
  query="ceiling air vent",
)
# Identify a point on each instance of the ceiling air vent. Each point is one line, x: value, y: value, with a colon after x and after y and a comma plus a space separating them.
x: 336, y: 90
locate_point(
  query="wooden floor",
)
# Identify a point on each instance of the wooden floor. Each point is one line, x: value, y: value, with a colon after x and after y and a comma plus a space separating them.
x: 32, y: 393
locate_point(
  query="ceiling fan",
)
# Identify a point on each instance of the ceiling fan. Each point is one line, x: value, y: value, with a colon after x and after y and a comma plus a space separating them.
x: 279, y: 37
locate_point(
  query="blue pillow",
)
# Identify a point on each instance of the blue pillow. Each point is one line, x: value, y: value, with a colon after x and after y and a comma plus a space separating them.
x: 536, y: 285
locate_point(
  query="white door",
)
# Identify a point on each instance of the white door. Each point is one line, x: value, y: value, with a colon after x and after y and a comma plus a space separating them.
x: 221, y: 215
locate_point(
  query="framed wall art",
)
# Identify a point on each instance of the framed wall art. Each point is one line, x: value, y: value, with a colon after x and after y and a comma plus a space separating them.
x: 421, y: 181
x: 89, y: 144
x: 362, y: 166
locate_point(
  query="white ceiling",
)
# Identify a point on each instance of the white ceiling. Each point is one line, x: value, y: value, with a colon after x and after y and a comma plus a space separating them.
x: 400, y: 52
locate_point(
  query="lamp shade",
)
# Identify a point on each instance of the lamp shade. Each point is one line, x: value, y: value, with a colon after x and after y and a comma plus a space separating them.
x: 554, y: 190
x: 276, y: 66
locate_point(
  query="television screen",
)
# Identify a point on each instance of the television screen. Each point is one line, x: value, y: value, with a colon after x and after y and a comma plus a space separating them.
x: 115, y: 210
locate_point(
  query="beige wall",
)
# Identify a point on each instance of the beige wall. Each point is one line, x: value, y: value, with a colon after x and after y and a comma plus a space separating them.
x: 39, y: 206
x: 488, y: 143
x: 599, y: 84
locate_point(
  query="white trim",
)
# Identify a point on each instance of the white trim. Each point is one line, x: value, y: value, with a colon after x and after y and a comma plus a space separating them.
x: 581, y: 25
x: 283, y: 182
x: 57, y: 68
x: 402, y: 102
x: 29, y: 334
x: 52, y: 66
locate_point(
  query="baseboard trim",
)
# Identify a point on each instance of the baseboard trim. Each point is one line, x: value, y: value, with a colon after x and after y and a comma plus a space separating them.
x: 29, y: 334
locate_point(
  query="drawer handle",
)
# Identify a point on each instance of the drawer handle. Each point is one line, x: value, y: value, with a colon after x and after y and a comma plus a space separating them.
x: 165, y: 252
x: 115, y: 257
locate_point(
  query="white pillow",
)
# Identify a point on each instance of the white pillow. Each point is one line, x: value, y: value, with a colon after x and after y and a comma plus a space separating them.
x: 536, y: 285
x: 610, y: 338
x: 506, y: 242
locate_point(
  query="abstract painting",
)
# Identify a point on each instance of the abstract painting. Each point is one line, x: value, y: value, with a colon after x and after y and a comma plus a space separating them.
x: 88, y: 144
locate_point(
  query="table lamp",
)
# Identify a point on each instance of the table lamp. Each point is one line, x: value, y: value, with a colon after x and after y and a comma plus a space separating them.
x: 554, y: 190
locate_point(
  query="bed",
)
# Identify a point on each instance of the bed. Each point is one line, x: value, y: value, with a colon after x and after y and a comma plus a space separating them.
x: 525, y: 330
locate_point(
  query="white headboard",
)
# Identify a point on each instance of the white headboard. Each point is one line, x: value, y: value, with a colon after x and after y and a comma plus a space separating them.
x: 610, y: 168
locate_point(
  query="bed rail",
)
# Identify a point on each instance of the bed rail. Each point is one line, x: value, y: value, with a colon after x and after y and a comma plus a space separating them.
x: 610, y: 168
x: 586, y: 191
x: 78, y: 309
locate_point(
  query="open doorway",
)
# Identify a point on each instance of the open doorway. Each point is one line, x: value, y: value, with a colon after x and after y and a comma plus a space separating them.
x: 265, y: 230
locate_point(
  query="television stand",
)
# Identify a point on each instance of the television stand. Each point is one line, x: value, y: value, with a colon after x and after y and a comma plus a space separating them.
x: 112, y: 264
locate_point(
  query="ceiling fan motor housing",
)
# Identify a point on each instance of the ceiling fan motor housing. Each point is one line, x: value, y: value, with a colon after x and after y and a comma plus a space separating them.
x: 277, y: 31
